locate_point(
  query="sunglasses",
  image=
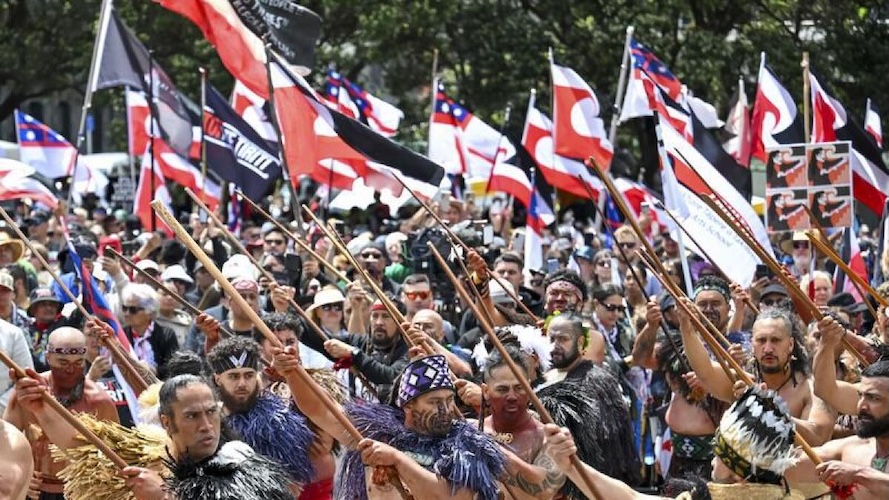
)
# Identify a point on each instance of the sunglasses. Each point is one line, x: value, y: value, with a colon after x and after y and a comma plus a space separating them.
x: 614, y: 307
x: 372, y: 255
x: 274, y: 242
x: 338, y: 306
x: 131, y: 309
x: 627, y: 244
x: 604, y: 263
x: 417, y: 295
x: 800, y: 244
x: 536, y: 283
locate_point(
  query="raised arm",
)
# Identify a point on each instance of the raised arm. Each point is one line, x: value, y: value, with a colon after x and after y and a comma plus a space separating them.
x: 839, y: 394
x: 644, y: 345
x: 27, y: 397
x: 709, y: 372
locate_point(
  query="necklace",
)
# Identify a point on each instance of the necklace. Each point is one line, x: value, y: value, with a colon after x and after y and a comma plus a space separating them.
x: 504, y: 437
x: 879, y: 463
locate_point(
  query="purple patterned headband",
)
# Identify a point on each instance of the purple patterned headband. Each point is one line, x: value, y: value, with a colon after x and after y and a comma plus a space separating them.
x: 422, y: 376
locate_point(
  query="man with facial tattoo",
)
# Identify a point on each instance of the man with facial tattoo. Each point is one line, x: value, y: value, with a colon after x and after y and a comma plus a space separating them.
x: 529, y: 472
x: 436, y: 454
x: 66, y: 381
x: 263, y: 420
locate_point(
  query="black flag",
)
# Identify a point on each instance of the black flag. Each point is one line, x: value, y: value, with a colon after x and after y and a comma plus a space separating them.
x: 235, y: 151
x: 123, y: 61
x: 292, y: 29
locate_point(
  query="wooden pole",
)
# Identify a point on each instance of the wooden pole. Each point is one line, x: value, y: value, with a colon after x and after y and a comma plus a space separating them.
x: 69, y: 417
x: 154, y: 282
x: 521, y: 376
x: 792, y: 287
x: 455, y: 240
x: 297, y: 240
x: 747, y: 301
x: 111, y: 342
x: 258, y: 323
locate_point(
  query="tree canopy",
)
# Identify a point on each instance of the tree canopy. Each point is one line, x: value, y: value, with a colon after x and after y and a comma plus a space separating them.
x: 491, y: 52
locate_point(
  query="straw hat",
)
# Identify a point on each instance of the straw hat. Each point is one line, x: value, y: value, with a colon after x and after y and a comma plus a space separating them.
x: 18, y: 248
x: 327, y: 295
x: 787, y: 245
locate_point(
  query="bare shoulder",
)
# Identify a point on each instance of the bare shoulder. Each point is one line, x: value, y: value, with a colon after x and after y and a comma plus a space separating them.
x: 13, y: 441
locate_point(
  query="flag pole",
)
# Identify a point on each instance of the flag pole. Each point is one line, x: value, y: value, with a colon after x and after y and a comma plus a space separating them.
x: 552, y: 159
x: 131, y: 153
x: 499, y: 142
x: 807, y: 90
x: 665, y: 163
x: 98, y: 47
x: 433, y: 93
x: 621, y: 86
x: 276, y: 126
x: 152, y: 118
x: 203, y: 72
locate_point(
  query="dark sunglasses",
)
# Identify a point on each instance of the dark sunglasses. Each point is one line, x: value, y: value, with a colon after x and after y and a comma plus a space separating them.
x: 614, y: 307
x: 800, y: 244
x: 604, y: 263
x: 131, y: 309
x: 626, y: 244
x: 336, y: 306
x: 417, y: 295
x: 371, y: 255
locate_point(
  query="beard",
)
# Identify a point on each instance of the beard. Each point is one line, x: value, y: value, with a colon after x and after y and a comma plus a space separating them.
x: 382, y: 342
x: 564, y: 360
x: 868, y: 426
x: 237, y: 404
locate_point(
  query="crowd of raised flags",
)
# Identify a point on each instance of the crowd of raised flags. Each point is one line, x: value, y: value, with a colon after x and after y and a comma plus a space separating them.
x: 345, y: 133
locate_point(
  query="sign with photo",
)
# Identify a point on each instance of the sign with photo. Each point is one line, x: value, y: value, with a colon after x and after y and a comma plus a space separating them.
x: 818, y: 176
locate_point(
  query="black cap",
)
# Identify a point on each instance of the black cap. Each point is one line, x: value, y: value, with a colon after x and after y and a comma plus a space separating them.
x: 775, y: 288
x: 846, y: 302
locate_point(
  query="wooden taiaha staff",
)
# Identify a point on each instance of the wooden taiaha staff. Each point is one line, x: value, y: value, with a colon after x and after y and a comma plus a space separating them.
x: 640, y: 235
x: 747, y: 302
x: 455, y: 240
x: 720, y: 352
x: 138, y: 382
x: 610, y: 231
x: 68, y: 416
x: 281, y: 227
x: 711, y: 333
x: 258, y: 323
x: 384, y: 299
x: 154, y: 282
x: 522, y: 377
x: 789, y: 284
x: 267, y: 275
x: 862, y: 286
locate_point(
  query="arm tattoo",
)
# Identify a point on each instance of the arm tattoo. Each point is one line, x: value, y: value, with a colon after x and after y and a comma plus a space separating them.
x: 553, y: 480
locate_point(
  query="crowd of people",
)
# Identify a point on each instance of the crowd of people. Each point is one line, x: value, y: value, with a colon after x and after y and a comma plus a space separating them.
x: 348, y: 365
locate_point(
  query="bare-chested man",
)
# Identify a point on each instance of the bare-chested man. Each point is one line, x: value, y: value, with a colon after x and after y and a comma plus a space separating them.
x: 530, y: 473
x: 861, y: 460
x: 16, y: 463
x: 780, y: 363
x: 692, y: 415
x: 65, y: 355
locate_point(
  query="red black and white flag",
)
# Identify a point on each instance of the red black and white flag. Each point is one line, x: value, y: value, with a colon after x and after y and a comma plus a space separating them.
x: 737, y: 124
x: 122, y: 60
x: 830, y: 123
x: 851, y: 254
x: 872, y: 123
x: 775, y: 119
